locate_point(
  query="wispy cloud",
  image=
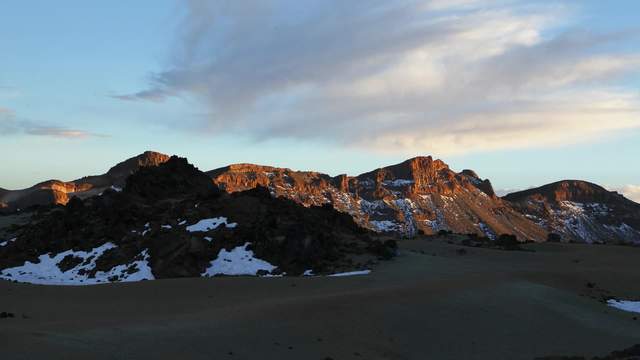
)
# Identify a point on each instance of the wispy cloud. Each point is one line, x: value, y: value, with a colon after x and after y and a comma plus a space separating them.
x: 60, y: 132
x: 11, y: 125
x: 413, y: 76
x: 154, y: 95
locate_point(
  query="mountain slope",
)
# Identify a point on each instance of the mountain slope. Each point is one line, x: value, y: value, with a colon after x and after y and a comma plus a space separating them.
x: 417, y: 195
x: 580, y: 211
x: 172, y: 221
x: 59, y: 192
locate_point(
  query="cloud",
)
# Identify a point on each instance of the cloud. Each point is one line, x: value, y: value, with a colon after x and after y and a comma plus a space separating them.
x: 60, y: 132
x: 11, y: 125
x: 630, y: 191
x: 439, y: 77
x: 154, y: 95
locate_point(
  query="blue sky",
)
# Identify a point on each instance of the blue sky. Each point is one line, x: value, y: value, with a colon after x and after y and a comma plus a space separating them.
x: 522, y: 92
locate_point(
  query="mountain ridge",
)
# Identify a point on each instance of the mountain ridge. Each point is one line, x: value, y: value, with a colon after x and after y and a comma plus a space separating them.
x: 420, y: 195
x: 59, y: 192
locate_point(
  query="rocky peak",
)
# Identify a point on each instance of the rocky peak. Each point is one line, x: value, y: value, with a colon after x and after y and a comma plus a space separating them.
x: 129, y: 166
x: 240, y: 177
x: 173, y: 177
x: 470, y: 173
x: 341, y: 182
x: 568, y: 190
x: 424, y: 175
x: 422, y: 167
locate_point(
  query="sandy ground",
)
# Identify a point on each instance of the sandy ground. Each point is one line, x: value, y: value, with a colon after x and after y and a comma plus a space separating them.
x: 429, y: 303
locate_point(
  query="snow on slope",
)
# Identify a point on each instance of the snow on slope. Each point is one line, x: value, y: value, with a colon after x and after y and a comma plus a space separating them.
x: 584, y: 221
x: 351, y: 273
x: 238, y: 261
x: 210, y: 224
x: 631, y: 306
x: 48, y: 272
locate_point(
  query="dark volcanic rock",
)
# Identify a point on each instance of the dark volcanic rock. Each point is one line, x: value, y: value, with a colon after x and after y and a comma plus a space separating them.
x: 6, y: 315
x: 176, y: 177
x: 148, y: 221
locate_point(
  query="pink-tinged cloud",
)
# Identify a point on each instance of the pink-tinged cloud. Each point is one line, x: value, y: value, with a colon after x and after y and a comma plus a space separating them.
x: 11, y: 125
x: 59, y: 132
x: 435, y: 76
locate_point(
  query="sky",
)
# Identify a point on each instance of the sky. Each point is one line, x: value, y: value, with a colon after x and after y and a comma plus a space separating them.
x: 523, y: 92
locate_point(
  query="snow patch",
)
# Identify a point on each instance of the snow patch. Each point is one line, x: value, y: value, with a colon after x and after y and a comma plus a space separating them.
x: 631, y: 306
x: 397, y: 182
x: 122, y: 271
x: 367, y: 183
x: 438, y: 223
x: 371, y: 207
x: 487, y: 231
x: 5, y: 243
x: 384, y: 225
x: 210, y: 224
x: 47, y: 271
x: 238, y: 261
x: 352, y: 273
x: 116, y: 189
x: 146, y: 229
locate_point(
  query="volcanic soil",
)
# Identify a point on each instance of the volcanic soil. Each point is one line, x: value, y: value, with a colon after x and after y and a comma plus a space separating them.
x: 433, y: 301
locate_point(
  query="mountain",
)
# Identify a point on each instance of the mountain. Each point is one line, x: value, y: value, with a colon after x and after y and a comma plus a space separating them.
x: 580, y: 211
x: 420, y: 195
x: 170, y: 221
x: 59, y: 192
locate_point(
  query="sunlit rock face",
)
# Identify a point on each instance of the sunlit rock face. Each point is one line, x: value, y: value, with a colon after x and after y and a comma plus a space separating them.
x: 580, y: 211
x: 420, y: 195
x: 54, y: 192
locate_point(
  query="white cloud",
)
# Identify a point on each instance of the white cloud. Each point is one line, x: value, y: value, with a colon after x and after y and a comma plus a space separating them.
x: 437, y: 77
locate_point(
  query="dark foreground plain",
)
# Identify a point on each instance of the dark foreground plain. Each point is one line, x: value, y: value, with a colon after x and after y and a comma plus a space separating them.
x: 431, y: 302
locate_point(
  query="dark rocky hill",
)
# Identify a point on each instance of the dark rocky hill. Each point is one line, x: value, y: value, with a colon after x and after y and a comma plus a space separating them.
x: 172, y: 221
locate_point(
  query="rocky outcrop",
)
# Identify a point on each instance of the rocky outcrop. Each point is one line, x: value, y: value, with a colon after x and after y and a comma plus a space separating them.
x: 54, y: 192
x: 175, y: 178
x: 172, y: 221
x: 574, y: 210
x: 418, y: 195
